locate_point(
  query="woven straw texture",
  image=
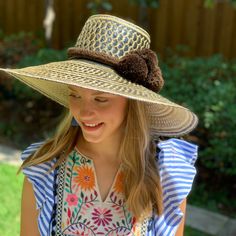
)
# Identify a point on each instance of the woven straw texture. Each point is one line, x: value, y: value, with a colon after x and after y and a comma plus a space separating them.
x: 115, y: 37
x: 112, y: 35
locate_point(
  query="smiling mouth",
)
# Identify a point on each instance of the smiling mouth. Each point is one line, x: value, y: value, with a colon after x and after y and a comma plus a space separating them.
x: 92, y: 126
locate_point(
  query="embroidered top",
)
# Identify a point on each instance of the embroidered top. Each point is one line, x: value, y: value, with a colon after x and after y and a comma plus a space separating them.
x: 81, y: 210
x: 84, y: 205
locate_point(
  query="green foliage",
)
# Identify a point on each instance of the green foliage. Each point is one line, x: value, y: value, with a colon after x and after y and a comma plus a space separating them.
x: 212, y: 3
x: 193, y: 232
x: 98, y: 6
x: 44, y: 55
x: 217, y: 200
x: 146, y: 3
x: 16, y: 46
x: 208, y: 87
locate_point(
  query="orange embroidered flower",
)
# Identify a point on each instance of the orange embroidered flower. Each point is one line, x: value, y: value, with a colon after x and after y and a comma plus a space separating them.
x: 85, y: 177
x: 119, y: 182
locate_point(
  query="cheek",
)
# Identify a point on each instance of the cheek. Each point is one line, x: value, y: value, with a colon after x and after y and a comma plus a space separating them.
x: 118, y: 111
x: 74, y: 108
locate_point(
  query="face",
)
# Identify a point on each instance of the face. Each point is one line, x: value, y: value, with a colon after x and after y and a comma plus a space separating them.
x: 100, y: 115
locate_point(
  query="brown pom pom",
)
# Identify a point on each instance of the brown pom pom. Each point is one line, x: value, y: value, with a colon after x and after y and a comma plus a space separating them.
x: 141, y: 67
x: 132, y: 67
x: 154, y: 79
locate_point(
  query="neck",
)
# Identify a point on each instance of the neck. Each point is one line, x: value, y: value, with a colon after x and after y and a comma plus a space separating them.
x: 107, y: 150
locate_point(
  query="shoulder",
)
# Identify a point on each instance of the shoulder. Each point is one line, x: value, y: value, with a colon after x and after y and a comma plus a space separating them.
x: 175, y: 162
x: 30, y: 150
x: 177, y: 150
x: 40, y: 176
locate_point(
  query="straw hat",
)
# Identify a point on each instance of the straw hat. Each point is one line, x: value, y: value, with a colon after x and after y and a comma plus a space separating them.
x: 111, y: 55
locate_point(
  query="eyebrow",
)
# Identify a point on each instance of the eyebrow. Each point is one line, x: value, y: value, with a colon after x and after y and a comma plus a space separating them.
x: 95, y: 93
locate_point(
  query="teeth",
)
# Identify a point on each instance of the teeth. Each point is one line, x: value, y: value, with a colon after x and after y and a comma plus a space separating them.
x: 91, y: 125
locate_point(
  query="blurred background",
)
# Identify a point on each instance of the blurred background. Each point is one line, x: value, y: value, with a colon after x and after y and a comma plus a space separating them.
x: 196, y: 45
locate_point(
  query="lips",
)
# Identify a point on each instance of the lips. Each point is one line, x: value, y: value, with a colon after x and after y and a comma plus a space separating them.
x: 92, y: 126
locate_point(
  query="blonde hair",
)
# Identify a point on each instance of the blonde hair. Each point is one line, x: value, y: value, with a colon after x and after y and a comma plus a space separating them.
x: 142, y: 188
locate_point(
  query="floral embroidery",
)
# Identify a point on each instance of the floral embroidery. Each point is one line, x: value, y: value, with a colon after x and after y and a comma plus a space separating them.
x: 83, y: 212
x: 85, y: 177
x: 101, y: 216
x: 72, y: 199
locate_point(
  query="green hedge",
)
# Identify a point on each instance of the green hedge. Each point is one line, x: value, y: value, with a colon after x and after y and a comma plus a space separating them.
x: 208, y: 87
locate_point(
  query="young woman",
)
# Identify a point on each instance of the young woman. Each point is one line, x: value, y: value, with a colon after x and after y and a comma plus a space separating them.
x: 105, y: 170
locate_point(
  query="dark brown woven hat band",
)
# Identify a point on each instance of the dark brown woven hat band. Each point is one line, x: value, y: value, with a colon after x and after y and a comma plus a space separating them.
x: 139, y: 66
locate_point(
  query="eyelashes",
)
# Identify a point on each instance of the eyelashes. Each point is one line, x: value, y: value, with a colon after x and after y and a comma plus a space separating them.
x: 74, y: 96
x: 98, y: 99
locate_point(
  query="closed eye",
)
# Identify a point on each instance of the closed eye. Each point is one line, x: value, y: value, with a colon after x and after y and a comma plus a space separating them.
x: 98, y: 99
x: 101, y: 99
x: 74, y: 96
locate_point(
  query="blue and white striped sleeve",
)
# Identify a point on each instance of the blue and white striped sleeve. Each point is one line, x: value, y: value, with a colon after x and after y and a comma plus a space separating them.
x: 43, y: 186
x: 176, y: 167
x: 35, y: 174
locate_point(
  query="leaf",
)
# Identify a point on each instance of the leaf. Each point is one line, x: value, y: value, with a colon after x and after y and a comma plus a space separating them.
x: 107, y: 6
x: 209, y: 3
x: 123, y: 222
x: 82, y: 195
x: 115, y: 198
x: 67, y: 190
x: 69, y: 212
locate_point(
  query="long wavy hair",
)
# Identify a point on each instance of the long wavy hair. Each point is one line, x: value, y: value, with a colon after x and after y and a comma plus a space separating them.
x: 141, y: 186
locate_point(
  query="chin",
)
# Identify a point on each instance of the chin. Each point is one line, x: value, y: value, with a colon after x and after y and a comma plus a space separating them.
x: 92, y: 139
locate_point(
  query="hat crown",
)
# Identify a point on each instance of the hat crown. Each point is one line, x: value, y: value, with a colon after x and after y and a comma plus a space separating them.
x: 112, y: 35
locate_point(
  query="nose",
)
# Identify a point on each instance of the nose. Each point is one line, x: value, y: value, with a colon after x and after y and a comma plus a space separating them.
x: 86, y: 110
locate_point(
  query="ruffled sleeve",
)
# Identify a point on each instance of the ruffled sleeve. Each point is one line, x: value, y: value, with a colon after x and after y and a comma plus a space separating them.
x: 43, y: 186
x: 176, y: 167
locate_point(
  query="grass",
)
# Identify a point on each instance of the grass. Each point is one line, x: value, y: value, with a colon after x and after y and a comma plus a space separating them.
x: 193, y: 232
x: 10, y: 198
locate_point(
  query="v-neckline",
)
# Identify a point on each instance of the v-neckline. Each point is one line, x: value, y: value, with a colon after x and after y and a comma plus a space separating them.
x: 96, y: 179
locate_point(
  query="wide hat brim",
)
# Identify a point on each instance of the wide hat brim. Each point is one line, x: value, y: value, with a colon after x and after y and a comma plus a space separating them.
x: 52, y: 80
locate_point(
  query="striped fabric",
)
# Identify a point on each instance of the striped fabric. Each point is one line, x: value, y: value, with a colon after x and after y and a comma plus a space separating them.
x: 175, y: 162
x: 43, y: 185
